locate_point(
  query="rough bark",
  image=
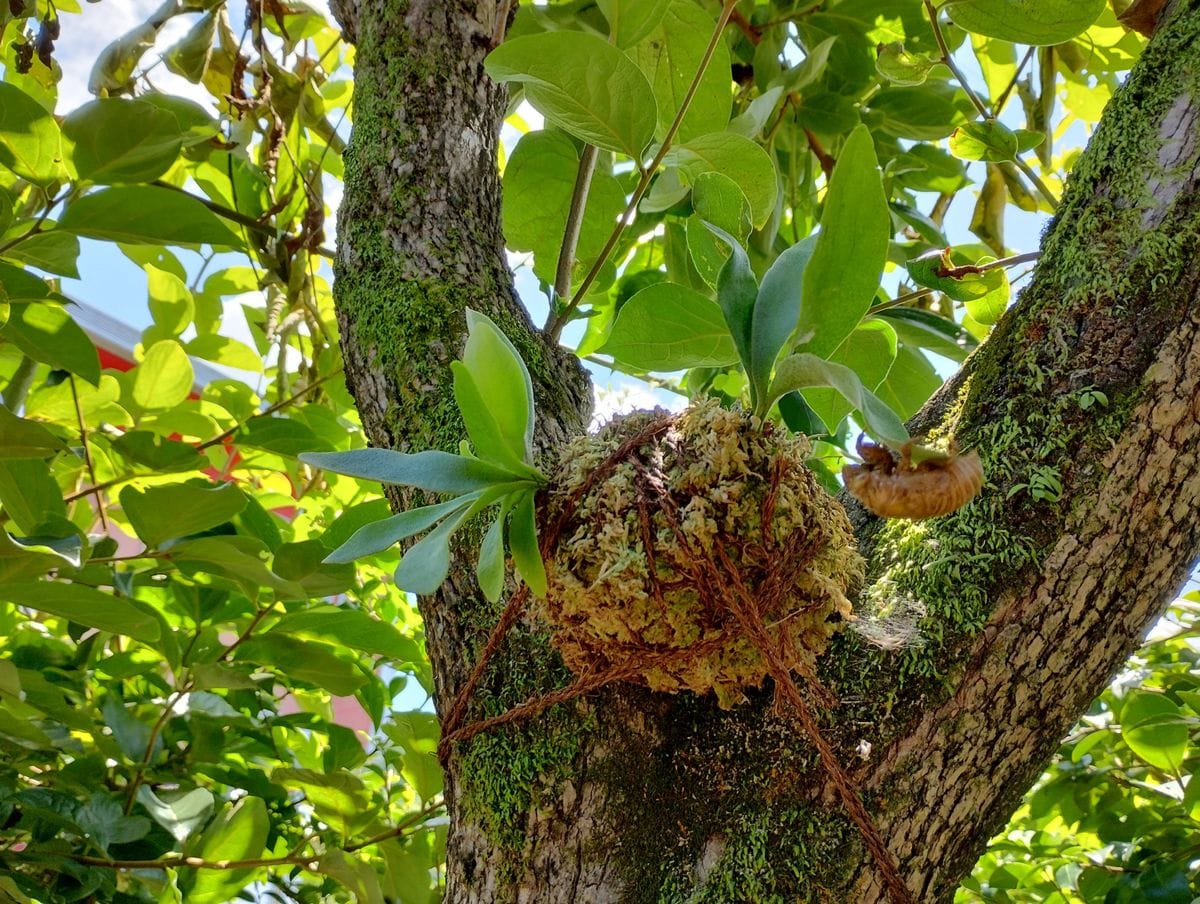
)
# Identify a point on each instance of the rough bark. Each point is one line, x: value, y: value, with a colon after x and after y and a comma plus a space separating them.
x: 1030, y: 603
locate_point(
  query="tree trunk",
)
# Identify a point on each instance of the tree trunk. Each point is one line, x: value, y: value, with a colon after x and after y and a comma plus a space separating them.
x: 1027, y: 601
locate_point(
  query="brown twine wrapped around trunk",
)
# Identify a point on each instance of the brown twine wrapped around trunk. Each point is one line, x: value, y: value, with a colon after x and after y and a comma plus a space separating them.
x: 720, y: 585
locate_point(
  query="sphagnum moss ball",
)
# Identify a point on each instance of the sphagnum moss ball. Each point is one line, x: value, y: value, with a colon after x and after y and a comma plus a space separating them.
x: 648, y: 557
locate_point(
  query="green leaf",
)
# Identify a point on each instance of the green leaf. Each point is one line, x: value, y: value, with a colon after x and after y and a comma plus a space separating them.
x: 85, y: 606
x: 281, y: 435
x: 737, y: 291
x: 179, y: 812
x: 146, y: 214
x: 987, y: 140
x: 46, y: 333
x: 22, y: 438
x: 777, y: 309
x: 671, y: 55
x: 1038, y: 22
x: 239, y: 832
x: 158, y: 453
x: 339, y: 798
x: 990, y: 307
x: 31, y: 557
x: 811, y: 68
x: 348, y: 627
x: 631, y: 20
x: 667, y: 327
x: 719, y: 200
x: 502, y: 385
x: 19, y: 286
x: 928, y: 168
x: 425, y: 565
x: 900, y: 67
x: 936, y: 270
x: 998, y: 62
x: 170, y: 300
x: 489, y: 569
x: 164, y: 378
x: 827, y: 113
x: 1028, y: 139
x: 190, y: 55
x: 706, y: 254
x: 1155, y: 729
x: 432, y: 471
x: 523, y: 541
x: 380, y: 535
x: 117, y: 140
x: 225, y: 351
x: 583, y: 85
x: 925, y: 113
x: 924, y: 329
x: 30, y: 141
x: 159, y: 513
x: 798, y: 415
x: 803, y: 371
x: 102, y: 819
x: 303, y: 562
x: 29, y: 493
x: 355, y: 875
x: 539, y: 181
x: 53, y: 250
x: 910, y: 382
x: 7, y: 204
x: 10, y: 681
x: 235, y: 558
x: 869, y: 351
x: 737, y: 157
x: 843, y: 274
x: 302, y: 660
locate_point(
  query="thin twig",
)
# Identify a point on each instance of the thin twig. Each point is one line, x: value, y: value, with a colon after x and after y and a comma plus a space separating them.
x: 36, y: 227
x: 555, y: 325
x: 267, y: 412
x: 139, y: 771
x: 434, y: 806
x: 235, y: 216
x: 570, y: 241
x: 899, y: 300
x: 823, y: 157
x: 194, y: 862
x: 220, y: 438
x: 293, y: 859
x: 245, y: 635
x: 1041, y: 186
x: 753, y: 35
x: 999, y: 102
x: 788, y: 100
x: 948, y: 59
x: 87, y: 451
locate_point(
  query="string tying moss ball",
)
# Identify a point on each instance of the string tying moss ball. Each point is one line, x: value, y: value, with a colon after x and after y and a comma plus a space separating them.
x: 667, y: 525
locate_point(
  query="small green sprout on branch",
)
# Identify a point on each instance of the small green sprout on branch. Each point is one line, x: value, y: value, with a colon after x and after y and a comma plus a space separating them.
x: 495, y: 395
x: 763, y: 322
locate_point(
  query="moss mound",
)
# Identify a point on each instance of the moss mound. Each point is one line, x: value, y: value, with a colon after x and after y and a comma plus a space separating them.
x: 666, y: 524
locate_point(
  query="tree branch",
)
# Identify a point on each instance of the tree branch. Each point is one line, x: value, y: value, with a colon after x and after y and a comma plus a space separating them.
x: 555, y: 325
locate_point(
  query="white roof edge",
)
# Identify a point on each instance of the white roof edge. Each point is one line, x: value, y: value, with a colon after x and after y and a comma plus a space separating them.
x: 119, y: 338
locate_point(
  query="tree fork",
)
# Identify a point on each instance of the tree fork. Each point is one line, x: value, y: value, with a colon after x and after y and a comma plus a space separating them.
x: 1032, y: 602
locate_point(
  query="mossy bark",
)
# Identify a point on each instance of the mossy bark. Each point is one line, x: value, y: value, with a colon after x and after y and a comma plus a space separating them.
x: 1032, y: 597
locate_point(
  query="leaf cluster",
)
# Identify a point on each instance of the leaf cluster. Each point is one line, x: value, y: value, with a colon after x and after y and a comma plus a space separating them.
x: 495, y: 396
x: 1114, y: 818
